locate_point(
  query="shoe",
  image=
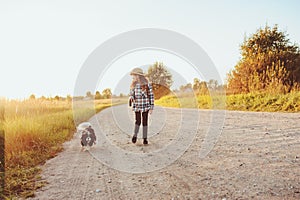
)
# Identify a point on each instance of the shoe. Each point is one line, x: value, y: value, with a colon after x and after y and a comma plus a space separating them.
x: 145, y: 141
x: 133, y: 139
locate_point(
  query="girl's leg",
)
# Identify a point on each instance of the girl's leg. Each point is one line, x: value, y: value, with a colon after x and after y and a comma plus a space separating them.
x: 137, y: 123
x: 137, y: 126
x: 138, y: 118
x: 145, y: 126
x: 145, y: 118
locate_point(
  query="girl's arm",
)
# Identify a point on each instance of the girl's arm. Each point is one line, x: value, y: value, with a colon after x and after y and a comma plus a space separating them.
x: 151, y: 97
x: 132, y: 94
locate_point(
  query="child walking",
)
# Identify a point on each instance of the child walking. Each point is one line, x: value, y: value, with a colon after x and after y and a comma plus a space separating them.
x: 142, y: 99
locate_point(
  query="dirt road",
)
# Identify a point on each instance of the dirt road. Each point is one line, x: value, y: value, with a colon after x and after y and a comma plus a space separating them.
x: 257, y: 155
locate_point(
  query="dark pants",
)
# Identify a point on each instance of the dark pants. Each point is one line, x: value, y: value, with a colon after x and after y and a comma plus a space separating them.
x: 138, y: 118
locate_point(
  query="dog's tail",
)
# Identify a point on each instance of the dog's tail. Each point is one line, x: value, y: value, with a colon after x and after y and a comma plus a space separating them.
x: 83, y: 126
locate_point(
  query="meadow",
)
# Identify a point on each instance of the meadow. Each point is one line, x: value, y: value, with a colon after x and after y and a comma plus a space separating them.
x: 34, y: 131
x: 263, y: 102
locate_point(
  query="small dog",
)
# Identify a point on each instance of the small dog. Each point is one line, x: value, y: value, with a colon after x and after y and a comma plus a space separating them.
x: 88, y: 136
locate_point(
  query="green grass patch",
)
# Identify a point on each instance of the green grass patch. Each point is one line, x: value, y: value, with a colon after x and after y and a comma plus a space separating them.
x: 264, y: 102
x: 247, y: 102
x: 201, y: 102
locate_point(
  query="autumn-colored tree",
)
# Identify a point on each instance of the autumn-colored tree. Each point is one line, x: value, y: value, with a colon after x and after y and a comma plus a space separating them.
x: 69, y: 98
x: 196, y: 84
x: 106, y: 93
x: 89, y: 94
x: 200, y: 87
x: 56, y: 98
x: 160, y: 78
x: 268, y: 60
x: 97, y: 95
x: 32, y: 97
x: 43, y: 98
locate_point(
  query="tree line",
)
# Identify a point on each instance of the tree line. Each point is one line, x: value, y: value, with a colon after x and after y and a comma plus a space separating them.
x: 269, y: 63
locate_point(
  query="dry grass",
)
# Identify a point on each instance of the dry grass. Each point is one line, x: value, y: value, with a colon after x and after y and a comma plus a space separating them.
x: 34, y: 132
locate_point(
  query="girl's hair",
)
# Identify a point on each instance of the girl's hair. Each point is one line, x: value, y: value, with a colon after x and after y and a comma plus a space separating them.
x: 141, y: 80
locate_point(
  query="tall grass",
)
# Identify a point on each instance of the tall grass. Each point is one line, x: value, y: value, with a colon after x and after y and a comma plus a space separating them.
x: 289, y: 102
x: 2, y: 160
x: 34, y: 132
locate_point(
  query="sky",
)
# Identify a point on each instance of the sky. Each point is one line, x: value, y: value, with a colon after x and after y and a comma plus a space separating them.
x: 44, y: 44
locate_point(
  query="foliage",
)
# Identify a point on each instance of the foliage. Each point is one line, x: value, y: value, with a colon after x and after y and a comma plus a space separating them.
x: 32, y: 96
x: 106, y: 93
x: 160, y: 78
x: 269, y: 63
x: 98, y: 95
x: 168, y: 101
x: 200, y: 87
x: 89, y: 94
x: 186, y: 88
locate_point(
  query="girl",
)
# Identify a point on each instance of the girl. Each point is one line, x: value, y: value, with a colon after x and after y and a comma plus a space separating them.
x: 142, y: 98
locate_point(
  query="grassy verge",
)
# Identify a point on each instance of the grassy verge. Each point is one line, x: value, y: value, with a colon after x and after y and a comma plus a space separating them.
x: 247, y: 102
x: 34, y: 132
x: 265, y: 102
x: 201, y: 102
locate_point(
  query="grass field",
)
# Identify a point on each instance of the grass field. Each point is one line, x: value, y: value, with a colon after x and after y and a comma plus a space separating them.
x: 247, y: 102
x: 34, y: 132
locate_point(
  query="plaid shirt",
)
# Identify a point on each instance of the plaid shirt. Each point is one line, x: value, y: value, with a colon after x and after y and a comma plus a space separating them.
x: 143, y: 100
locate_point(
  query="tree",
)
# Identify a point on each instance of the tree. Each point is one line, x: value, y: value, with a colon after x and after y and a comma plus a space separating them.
x: 196, y: 84
x: 89, y: 94
x: 106, y: 93
x: 57, y: 98
x: 69, y: 98
x: 200, y: 87
x: 32, y: 97
x: 186, y: 88
x: 268, y: 61
x: 212, y: 84
x: 43, y: 98
x: 97, y: 95
x: 203, y: 90
x: 160, y: 78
